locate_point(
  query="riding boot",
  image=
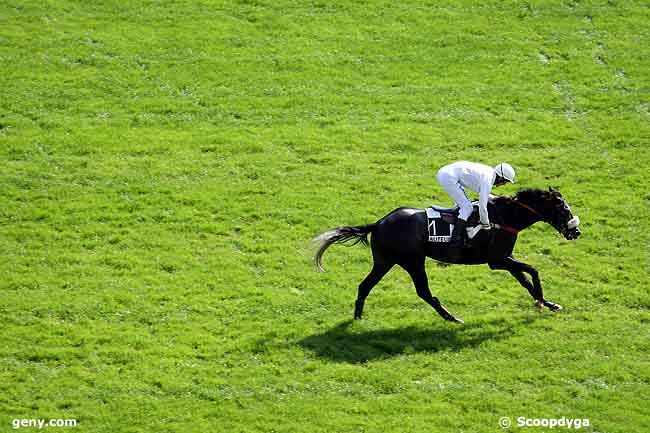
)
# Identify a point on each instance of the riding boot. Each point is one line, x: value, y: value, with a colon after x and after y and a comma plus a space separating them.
x: 458, y: 235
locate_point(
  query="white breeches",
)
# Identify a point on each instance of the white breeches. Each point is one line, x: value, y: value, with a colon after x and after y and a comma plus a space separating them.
x: 457, y: 193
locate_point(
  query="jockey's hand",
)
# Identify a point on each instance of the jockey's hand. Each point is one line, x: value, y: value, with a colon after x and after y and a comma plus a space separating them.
x: 486, y: 226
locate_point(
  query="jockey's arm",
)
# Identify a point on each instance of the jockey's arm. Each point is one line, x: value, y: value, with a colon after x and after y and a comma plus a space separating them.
x: 484, y: 195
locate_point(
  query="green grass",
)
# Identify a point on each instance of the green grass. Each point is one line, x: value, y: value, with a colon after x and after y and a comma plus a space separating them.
x: 165, y: 166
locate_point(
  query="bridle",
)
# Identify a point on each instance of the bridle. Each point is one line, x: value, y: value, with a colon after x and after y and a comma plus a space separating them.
x: 571, y: 224
x: 513, y: 230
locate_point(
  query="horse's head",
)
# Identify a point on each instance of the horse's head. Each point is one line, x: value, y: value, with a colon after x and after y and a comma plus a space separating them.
x: 554, y: 210
x: 561, y: 217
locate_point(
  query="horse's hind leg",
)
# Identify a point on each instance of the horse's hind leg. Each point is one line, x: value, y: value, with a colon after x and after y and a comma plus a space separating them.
x: 419, y: 276
x: 379, y: 269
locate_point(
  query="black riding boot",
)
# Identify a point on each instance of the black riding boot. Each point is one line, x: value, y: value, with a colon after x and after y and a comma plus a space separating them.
x: 459, y: 234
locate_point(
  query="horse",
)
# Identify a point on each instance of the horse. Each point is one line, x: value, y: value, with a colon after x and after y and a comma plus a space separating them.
x: 401, y: 238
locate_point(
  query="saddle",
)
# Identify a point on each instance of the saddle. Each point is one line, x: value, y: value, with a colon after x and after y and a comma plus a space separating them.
x: 441, y: 221
x: 447, y: 214
x: 450, y: 214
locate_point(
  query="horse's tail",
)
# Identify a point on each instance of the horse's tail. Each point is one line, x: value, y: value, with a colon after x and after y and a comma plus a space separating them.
x: 341, y: 235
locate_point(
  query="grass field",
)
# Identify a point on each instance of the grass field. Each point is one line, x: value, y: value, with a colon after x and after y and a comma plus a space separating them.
x: 165, y: 166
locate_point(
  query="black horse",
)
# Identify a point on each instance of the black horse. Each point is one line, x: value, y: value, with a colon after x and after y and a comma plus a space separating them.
x: 401, y: 238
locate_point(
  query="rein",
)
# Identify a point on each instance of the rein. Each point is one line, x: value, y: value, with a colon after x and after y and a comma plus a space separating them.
x: 513, y: 230
x: 529, y: 208
x: 508, y: 229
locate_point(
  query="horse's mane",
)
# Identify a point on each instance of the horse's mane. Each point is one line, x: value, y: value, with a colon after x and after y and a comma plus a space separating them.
x: 531, y: 195
x: 527, y: 196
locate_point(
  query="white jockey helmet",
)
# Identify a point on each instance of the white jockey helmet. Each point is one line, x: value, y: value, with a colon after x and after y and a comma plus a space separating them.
x: 506, y: 171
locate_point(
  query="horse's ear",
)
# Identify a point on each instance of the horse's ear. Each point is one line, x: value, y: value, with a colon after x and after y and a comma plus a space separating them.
x: 554, y: 192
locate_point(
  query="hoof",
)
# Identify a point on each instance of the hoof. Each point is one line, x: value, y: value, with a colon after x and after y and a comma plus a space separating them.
x: 454, y: 319
x: 553, y: 306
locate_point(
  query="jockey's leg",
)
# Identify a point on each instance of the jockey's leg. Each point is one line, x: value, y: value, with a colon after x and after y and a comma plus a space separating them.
x: 457, y: 193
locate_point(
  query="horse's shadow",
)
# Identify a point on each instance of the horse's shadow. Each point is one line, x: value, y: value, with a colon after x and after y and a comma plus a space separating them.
x: 341, y: 344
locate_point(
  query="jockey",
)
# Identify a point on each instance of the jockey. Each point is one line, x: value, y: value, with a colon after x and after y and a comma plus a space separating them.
x: 479, y: 178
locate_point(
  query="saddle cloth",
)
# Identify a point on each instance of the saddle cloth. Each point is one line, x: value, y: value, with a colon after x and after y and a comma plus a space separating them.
x: 439, y: 229
x: 440, y: 221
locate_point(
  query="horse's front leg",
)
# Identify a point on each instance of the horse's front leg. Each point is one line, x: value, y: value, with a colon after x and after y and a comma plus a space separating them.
x: 540, y: 302
x: 517, y: 269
